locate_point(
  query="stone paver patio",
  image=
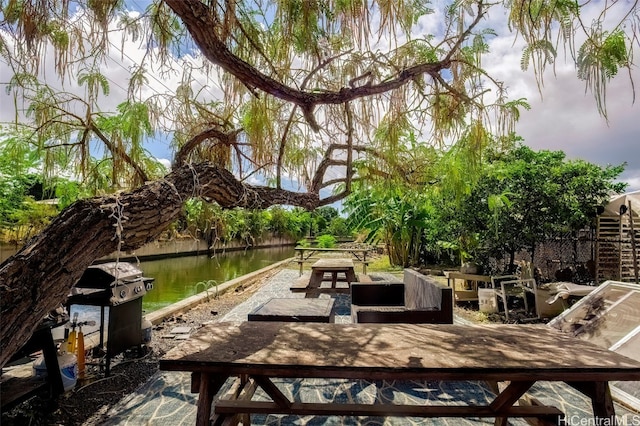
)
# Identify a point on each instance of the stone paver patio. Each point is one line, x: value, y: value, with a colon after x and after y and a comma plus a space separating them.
x: 166, y: 398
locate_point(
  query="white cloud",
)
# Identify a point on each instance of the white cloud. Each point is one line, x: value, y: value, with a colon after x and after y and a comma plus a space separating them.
x: 566, y: 117
x: 165, y: 162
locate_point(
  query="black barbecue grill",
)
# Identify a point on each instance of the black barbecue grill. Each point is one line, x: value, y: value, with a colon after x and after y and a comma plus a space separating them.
x: 120, y: 287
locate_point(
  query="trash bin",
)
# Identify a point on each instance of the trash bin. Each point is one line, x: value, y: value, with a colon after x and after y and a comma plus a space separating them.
x: 487, y: 300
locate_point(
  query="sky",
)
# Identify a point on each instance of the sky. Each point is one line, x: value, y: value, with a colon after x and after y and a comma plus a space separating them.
x: 567, y: 119
x: 564, y: 118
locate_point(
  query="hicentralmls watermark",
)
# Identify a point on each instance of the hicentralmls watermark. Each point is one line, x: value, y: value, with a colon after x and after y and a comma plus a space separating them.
x: 624, y: 420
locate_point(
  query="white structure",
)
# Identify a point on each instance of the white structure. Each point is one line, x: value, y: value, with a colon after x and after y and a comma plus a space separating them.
x: 618, y: 239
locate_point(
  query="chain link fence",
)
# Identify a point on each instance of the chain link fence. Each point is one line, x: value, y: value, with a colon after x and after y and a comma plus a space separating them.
x: 567, y: 257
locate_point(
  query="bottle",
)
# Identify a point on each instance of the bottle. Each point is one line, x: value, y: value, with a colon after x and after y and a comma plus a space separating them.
x: 71, y: 340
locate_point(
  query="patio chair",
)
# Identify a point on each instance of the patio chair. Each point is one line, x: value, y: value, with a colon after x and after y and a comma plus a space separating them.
x: 507, y: 286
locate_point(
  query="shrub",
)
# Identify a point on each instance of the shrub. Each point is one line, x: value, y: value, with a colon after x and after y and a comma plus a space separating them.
x: 326, y: 241
x: 303, y: 243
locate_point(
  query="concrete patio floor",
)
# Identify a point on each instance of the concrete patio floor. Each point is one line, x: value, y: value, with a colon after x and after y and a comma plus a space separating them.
x: 166, y: 398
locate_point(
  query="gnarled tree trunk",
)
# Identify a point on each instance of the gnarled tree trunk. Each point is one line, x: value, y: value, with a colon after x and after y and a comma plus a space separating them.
x: 38, y: 278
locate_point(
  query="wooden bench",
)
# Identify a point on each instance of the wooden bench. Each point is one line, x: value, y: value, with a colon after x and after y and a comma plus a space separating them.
x: 467, y: 291
x: 301, y: 283
x: 418, y: 299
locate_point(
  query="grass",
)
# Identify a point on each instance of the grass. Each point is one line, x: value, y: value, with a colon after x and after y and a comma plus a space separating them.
x: 382, y: 264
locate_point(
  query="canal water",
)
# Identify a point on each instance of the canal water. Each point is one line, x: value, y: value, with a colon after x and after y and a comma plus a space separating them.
x: 181, y: 277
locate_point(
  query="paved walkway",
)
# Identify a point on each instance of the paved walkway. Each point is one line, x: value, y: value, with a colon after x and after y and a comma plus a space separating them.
x: 166, y: 398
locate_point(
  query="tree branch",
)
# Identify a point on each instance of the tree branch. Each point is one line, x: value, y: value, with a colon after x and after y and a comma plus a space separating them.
x: 199, y: 22
x: 285, y: 133
x: 212, y: 133
x: 115, y: 150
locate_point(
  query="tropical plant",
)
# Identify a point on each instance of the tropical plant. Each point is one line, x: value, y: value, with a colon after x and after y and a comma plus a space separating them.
x: 339, y: 227
x: 322, y: 218
x: 31, y: 218
x: 395, y: 215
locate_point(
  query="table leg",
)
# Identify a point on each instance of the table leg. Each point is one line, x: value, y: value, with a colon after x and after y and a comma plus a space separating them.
x: 301, y: 261
x: 208, y: 386
x: 364, y: 263
x: 272, y: 390
x: 601, y: 401
x: 508, y: 397
x: 315, y: 280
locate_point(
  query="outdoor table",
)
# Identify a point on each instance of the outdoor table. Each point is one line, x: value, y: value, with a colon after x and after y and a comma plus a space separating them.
x: 521, y: 354
x: 359, y: 254
x: 468, y: 290
x: 289, y: 309
x: 332, y: 267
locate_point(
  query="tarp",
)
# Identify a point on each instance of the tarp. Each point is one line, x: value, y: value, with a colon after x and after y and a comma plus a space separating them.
x: 613, y: 208
x: 564, y: 290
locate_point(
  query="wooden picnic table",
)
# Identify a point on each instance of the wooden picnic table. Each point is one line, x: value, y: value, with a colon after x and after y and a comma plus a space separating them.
x: 521, y: 354
x: 334, y: 270
x: 337, y: 270
x: 357, y: 254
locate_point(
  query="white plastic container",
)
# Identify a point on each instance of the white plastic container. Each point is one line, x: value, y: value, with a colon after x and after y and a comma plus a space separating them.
x: 487, y: 300
x: 68, y: 364
x: 68, y: 370
x: 145, y: 329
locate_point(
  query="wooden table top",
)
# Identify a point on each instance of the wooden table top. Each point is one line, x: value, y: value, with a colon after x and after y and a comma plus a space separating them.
x: 332, y: 264
x: 398, y: 351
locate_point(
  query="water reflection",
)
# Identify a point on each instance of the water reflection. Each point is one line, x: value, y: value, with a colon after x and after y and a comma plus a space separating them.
x: 177, y: 278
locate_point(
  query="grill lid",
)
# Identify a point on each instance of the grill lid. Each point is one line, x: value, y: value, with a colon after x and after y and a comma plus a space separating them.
x: 108, y: 275
x: 110, y: 283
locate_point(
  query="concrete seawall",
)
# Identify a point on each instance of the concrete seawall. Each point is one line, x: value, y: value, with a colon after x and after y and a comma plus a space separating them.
x: 193, y: 247
x: 174, y: 248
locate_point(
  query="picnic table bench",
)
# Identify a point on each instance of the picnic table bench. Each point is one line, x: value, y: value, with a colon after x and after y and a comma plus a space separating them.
x: 521, y: 354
